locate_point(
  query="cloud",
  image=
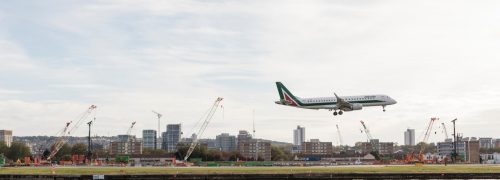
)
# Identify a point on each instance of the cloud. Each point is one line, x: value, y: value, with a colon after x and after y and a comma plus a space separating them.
x: 176, y: 57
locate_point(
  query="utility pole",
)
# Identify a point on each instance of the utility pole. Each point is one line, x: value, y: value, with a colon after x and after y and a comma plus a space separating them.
x: 256, y: 140
x: 455, y: 153
x: 89, y: 147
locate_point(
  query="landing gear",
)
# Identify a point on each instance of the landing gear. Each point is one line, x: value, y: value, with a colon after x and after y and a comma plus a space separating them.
x: 339, y: 113
x: 383, y: 108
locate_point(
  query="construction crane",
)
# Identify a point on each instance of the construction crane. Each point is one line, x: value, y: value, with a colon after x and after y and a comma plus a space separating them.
x: 129, y: 131
x: 370, y: 137
x: 340, y: 136
x: 367, y: 132
x: 209, y: 116
x: 427, y: 134
x: 445, y: 131
x: 67, y: 131
x: 159, y: 116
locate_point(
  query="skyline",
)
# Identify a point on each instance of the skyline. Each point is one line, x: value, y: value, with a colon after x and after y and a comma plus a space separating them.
x: 436, y: 59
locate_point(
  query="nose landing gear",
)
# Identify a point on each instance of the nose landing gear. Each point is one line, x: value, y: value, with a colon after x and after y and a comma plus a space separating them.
x: 383, y: 108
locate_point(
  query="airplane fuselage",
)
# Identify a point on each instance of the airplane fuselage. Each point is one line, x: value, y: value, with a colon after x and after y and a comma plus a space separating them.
x: 331, y: 102
x: 344, y: 103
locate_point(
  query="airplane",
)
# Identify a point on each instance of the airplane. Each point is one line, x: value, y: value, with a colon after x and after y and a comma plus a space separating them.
x: 344, y: 103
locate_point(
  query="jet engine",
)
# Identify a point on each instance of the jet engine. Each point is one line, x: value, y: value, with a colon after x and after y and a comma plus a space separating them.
x: 356, y: 106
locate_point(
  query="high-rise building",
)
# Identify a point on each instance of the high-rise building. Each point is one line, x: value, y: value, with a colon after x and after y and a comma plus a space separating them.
x: 6, y: 137
x: 149, y: 139
x: 172, y: 137
x: 410, y: 137
x: 299, y: 135
x: 225, y: 142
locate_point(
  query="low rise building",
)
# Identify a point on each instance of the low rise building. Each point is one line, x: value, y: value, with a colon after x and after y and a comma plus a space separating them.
x: 467, y: 151
x: 497, y: 143
x: 317, y: 148
x: 493, y: 158
x: 255, y: 149
x: 225, y: 142
x: 126, y: 144
x: 486, y: 143
x: 383, y: 148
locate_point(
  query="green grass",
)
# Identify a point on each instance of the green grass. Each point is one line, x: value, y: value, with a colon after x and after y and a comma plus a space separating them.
x: 252, y: 170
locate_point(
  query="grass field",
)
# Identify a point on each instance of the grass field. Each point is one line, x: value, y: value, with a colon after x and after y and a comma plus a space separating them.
x: 252, y: 170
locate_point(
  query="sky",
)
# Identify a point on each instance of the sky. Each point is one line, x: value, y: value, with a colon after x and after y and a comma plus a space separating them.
x: 436, y: 58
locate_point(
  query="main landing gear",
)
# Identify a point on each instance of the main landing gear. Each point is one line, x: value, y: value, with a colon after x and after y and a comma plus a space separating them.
x: 339, y: 113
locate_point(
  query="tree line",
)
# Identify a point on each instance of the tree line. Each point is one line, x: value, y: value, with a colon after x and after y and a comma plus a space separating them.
x: 19, y: 150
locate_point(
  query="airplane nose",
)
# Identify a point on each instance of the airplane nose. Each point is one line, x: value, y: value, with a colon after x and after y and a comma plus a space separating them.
x: 394, y: 101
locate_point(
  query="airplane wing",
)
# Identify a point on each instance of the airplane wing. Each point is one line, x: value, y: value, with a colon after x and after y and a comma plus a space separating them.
x: 341, y: 103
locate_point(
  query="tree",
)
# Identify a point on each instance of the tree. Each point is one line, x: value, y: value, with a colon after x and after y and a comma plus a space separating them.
x: 45, y: 154
x: 375, y: 154
x: 156, y: 152
x: 235, y: 155
x: 3, y: 148
x: 63, y: 154
x: 79, y: 149
x: 198, y: 152
x: 18, y: 150
x: 278, y: 154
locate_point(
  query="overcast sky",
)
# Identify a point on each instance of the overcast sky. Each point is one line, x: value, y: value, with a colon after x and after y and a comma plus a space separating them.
x: 436, y: 58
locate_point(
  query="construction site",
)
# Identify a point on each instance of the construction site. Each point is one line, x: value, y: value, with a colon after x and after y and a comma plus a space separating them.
x: 128, y: 151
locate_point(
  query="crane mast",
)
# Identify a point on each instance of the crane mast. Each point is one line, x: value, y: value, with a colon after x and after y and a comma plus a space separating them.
x: 203, y: 127
x: 67, y: 131
x: 445, y: 131
x: 367, y: 132
x: 340, y: 136
x: 129, y: 131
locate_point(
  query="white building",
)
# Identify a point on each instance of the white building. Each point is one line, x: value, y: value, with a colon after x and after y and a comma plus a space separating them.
x: 410, y: 137
x: 299, y: 135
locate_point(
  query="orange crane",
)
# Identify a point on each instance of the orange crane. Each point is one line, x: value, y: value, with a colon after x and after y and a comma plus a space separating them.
x: 427, y: 134
x: 67, y: 131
